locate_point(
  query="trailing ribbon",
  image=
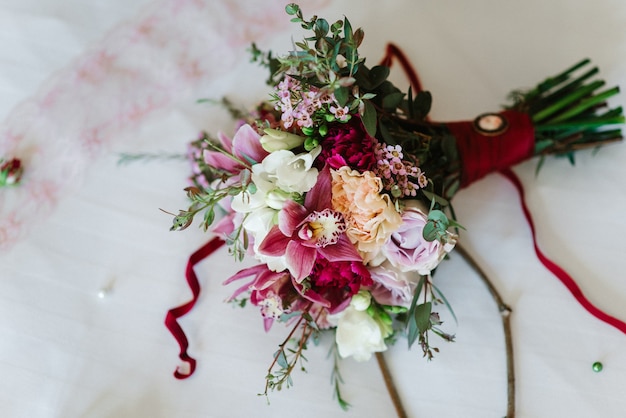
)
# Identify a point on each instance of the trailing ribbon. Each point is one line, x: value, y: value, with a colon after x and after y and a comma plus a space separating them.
x: 171, y: 319
x: 555, y: 269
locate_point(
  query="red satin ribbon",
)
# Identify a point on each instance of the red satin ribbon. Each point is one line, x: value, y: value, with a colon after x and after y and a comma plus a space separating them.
x: 561, y: 274
x: 171, y: 319
x: 481, y: 154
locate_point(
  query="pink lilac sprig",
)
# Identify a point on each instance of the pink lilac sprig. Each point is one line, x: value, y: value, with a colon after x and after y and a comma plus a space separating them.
x: 10, y: 172
x: 400, y: 177
x: 302, y: 106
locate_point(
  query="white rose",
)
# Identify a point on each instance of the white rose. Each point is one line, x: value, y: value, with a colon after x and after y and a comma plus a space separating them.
x: 358, y: 334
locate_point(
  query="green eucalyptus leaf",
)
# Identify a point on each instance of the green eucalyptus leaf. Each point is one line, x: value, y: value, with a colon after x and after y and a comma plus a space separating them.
x: 321, y: 28
x: 341, y: 95
x: 378, y: 75
x: 412, y: 332
x: 422, y: 316
x: 392, y: 101
x: 347, y: 30
x: 439, y: 217
x: 281, y: 359
x: 430, y: 232
x: 292, y: 8
x: 369, y: 118
x: 422, y: 104
x: 449, y: 148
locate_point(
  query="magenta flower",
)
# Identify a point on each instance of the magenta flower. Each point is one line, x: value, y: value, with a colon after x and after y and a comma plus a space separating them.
x: 245, y: 149
x: 303, y: 232
x: 268, y: 289
x: 348, y: 144
x: 338, y: 281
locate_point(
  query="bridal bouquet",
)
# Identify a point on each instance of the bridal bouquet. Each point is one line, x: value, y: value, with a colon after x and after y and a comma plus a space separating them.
x: 339, y: 186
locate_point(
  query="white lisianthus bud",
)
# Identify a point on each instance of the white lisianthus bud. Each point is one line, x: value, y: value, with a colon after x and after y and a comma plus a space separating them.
x: 275, y: 140
x: 361, y: 301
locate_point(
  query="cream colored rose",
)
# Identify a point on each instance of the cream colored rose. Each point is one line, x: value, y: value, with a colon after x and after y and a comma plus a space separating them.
x: 371, y: 216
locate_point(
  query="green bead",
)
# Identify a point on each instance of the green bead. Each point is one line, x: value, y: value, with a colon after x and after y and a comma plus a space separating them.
x: 597, y: 367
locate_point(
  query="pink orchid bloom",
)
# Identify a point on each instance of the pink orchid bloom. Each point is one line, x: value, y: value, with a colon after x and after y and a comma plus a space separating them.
x: 276, y: 287
x: 245, y: 146
x: 304, y: 231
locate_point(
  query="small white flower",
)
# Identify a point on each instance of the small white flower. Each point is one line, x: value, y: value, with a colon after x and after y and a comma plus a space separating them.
x: 358, y: 334
x: 287, y: 171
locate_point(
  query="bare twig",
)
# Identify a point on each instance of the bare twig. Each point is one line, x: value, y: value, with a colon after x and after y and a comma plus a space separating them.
x: 505, y: 312
x: 391, y: 387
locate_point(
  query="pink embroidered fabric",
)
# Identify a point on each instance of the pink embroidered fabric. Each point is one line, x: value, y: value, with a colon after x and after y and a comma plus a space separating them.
x: 139, y: 69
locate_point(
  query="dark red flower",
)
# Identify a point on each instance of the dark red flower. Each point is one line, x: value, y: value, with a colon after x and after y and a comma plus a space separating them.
x: 348, y: 144
x: 337, y: 281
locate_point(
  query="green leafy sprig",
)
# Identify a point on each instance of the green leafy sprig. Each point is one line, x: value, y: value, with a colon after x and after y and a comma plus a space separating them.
x: 290, y: 353
x: 421, y: 319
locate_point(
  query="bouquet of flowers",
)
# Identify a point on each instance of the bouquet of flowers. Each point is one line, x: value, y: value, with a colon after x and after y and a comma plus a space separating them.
x: 339, y: 186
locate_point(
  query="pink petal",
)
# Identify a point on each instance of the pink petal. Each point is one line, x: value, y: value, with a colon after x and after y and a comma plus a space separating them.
x: 319, y: 197
x: 300, y: 260
x: 226, y: 142
x: 290, y: 217
x: 343, y: 250
x: 274, y: 243
x: 267, y: 323
x: 267, y: 279
x: 247, y: 144
x: 239, y: 291
x: 225, y: 225
x: 247, y: 272
x: 218, y: 160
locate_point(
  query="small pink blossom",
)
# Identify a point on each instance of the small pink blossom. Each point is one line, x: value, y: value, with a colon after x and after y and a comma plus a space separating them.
x: 340, y: 113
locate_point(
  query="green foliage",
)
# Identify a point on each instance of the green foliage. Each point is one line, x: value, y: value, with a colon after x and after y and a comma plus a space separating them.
x: 336, y: 379
x: 290, y: 354
x: 421, y: 319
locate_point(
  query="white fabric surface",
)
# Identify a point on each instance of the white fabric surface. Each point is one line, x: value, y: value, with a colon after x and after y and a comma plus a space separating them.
x: 81, y: 82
